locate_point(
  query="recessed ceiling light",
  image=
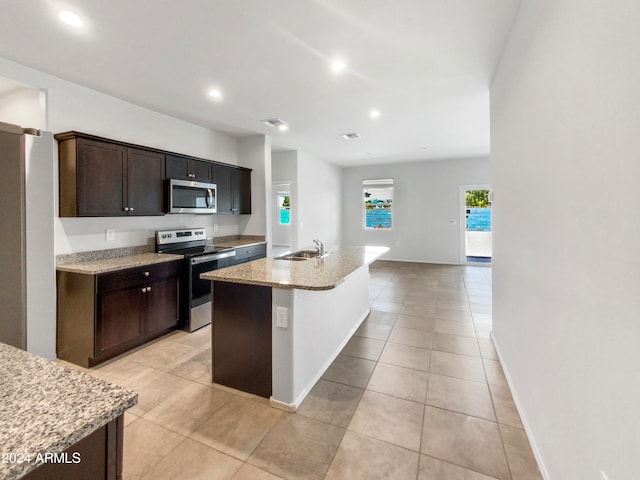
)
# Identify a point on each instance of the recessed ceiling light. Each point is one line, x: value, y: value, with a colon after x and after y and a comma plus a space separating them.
x: 283, y: 128
x: 337, y: 65
x: 350, y: 136
x: 70, y: 18
x: 215, y: 93
x: 374, y: 113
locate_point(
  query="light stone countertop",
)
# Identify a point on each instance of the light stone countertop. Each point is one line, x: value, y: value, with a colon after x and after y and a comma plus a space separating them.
x: 118, y: 263
x: 312, y: 274
x: 47, y: 407
x: 238, y: 243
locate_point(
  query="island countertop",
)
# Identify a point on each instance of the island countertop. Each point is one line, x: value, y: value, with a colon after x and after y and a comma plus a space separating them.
x: 47, y: 407
x: 312, y: 274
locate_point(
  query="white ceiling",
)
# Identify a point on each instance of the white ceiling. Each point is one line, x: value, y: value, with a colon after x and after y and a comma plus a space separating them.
x: 425, y: 64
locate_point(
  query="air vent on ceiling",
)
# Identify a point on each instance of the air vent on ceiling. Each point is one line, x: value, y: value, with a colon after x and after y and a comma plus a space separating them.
x: 350, y: 136
x: 276, y: 123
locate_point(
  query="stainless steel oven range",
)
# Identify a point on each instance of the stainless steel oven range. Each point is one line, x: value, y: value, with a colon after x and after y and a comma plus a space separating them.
x: 195, y: 294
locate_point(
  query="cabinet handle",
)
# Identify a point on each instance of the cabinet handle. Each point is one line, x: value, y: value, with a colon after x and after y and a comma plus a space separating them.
x: 131, y: 209
x: 148, y: 289
x: 144, y: 290
x: 126, y: 209
x: 146, y: 274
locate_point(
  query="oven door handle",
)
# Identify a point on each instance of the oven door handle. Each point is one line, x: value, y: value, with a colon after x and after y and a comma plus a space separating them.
x: 212, y: 257
x: 209, y: 198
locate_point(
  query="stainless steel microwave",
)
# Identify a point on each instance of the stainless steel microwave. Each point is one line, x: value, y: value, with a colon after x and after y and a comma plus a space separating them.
x: 184, y: 196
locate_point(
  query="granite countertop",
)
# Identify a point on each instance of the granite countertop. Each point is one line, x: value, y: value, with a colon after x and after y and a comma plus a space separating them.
x: 236, y: 243
x: 312, y: 274
x: 102, y: 261
x: 93, y: 267
x: 47, y: 407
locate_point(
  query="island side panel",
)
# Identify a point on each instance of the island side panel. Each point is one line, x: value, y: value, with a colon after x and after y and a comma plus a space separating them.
x: 320, y: 324
x: 98, y: 456
x: 241, y: 337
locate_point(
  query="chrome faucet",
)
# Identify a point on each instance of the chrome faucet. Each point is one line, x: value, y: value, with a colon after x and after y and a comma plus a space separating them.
x: 319, y: 247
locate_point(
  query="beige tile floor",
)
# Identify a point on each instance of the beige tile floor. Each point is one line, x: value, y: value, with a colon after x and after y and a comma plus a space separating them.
x: 416, y: 394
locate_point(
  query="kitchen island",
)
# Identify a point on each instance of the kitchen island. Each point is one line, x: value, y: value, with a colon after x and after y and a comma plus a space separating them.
x: 58, y: 422
x: 278, y: 324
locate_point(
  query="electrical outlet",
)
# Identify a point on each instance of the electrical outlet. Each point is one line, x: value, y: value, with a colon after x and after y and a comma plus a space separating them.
x: 110, y: 234
x: 215, y: 228
x: 281, y: 317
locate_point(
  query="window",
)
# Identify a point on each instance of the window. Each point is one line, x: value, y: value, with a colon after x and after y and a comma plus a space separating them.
x: 284, y: 209
x: 377, y: 201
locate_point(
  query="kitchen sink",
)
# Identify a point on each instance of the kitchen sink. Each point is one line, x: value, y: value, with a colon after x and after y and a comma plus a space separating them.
x: 301, y: 255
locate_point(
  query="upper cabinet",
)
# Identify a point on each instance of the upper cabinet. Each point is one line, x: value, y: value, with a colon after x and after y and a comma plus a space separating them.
x: 241, y: 191
x: 107, y: 178
x: 103, y: 179
x: 234, y: 189
x: 186, y: 168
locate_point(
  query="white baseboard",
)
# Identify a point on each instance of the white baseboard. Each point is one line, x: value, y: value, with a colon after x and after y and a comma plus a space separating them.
x: 527, y: 430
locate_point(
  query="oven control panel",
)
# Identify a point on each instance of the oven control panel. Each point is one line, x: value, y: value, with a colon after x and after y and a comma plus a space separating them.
x: 165, y: 237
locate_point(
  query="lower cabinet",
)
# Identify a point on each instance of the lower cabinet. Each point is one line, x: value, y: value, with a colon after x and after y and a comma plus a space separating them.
x: 249, y: 253
x: 98, y: 456
x: 103, y: 315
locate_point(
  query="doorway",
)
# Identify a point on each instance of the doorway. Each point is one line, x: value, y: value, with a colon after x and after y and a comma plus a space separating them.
x: 476, y: 225
x: 282, y: 221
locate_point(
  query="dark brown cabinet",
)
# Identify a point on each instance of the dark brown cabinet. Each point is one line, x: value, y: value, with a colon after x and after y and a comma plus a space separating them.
x: 107, y: 178
x: 221, y: 176
x: 240, y: 191
x: 241, y: 337
x: 103, y: 315
x: 101, y: 457
x: 234, y: 189
x: 145, y: 185
x: 186, y: 168
x: 249, y: 253
x: 104, y: 179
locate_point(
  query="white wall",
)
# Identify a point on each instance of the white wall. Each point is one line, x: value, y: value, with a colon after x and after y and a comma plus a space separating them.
x: 565, y: 129
x: 255, y: 152
x: 319, y: 192
x: 72, y: 107
x: 24, y: 106
x: 426, y: 200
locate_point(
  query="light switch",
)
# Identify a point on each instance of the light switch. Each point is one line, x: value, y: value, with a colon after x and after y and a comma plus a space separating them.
x: 281, y: 317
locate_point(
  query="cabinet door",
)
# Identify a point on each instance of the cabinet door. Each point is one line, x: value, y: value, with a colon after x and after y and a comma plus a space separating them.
x: 161, y: 306
x: 200, y: 171
x: 101, y: 179
x: 145, y: 185
x: 240, y: 191
x: 221, y: 176
x: 119, y: 323
x: 177, y: 167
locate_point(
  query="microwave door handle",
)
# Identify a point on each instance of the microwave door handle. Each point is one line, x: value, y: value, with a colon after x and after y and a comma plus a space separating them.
x: 209, y: 197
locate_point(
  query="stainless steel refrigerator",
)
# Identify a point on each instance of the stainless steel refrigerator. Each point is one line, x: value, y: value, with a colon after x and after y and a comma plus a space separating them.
x: 27, y: 266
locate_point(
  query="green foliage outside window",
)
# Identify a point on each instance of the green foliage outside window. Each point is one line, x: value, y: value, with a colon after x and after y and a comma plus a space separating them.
x: 477, y: 198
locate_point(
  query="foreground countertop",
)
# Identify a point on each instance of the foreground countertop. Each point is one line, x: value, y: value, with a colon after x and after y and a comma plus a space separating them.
x: 47, y: 407
x: 118, y: 263
x: 312, y: 274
